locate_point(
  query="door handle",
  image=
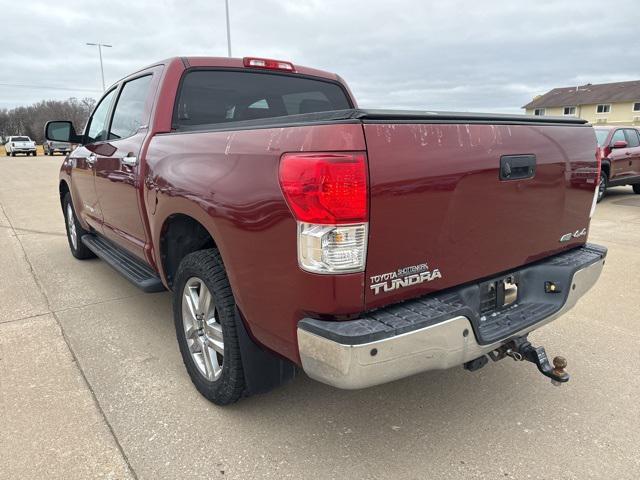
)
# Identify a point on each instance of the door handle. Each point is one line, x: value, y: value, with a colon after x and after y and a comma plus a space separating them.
x: 91, y: 159
x: 129, y: 161
x: 517, y: 167
x: 627, y: 153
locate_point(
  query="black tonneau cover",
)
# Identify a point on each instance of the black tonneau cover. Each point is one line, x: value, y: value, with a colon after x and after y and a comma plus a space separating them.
x: 358, y: 115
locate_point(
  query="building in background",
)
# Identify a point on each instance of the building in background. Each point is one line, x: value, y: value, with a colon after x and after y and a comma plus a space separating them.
x: 612, y: 103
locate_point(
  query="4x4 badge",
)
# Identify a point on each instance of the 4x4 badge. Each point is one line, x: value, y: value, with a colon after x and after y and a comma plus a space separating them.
x: 577, y: 234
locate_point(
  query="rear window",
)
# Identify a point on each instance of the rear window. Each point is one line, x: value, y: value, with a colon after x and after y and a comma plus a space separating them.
x: 215, y: 97
x: 20, y: 139
x: 601, y: 136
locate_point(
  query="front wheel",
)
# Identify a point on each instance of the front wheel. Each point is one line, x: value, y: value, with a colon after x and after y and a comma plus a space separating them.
x: 602, y: 187
x: 204, y: 317
x: 636, y: 188
x: 75, y: 231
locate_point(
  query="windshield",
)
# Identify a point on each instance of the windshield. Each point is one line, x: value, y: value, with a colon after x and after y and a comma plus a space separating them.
x: 601, y: 136
x: 20, y: 139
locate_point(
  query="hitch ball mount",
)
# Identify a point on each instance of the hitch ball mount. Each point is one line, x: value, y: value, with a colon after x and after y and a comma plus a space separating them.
x: 520, y: 349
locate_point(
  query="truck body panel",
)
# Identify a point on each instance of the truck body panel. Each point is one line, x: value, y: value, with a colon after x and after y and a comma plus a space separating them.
x: 437, y: 199
x: 228, y: 181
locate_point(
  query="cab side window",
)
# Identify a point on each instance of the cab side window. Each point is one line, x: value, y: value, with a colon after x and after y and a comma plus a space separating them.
x: 617, y: 136
x: 632, y: 138
x: 97, y: 126
x: 129, y: 114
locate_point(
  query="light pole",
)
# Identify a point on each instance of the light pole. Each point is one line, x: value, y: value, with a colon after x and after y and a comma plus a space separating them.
x: 226, y: 4
x: 100, y: 45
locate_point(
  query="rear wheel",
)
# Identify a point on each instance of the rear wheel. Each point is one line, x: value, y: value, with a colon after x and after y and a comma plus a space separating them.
x: 602, y: 187
x: 204, y: 317
x: 636, y: 188
x: 75, y: 231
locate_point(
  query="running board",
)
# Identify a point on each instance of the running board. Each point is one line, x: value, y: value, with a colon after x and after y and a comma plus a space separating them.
x: 134, y: 270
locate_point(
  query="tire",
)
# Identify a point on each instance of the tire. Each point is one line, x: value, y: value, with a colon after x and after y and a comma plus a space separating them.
x: 211, y: 328
x: 13, y: 154
x: 636, y: 188
x: 74, y: 229
x: 602, y: 188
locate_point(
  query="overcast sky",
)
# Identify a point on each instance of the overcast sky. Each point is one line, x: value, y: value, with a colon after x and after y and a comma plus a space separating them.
x: 467, y: 55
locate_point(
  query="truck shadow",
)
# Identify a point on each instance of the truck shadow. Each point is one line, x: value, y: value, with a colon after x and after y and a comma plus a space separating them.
x: 423, y: 404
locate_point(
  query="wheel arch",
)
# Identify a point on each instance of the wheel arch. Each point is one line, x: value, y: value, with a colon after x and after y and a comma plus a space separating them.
x: 180, y: 235
x: 63, y: 189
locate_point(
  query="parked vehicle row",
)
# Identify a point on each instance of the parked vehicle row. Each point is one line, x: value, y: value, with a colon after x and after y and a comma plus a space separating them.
x: 297, y: 230
x: 619, y: 148
x: 20, y: 144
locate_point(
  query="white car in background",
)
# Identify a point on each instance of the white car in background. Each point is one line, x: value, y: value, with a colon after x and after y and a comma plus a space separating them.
x: 20, y: 144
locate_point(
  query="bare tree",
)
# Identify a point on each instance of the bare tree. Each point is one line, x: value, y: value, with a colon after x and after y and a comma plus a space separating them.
x: 30, y: 120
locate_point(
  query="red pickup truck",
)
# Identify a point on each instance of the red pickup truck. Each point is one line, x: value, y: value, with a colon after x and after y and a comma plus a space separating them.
x: 297, y: 230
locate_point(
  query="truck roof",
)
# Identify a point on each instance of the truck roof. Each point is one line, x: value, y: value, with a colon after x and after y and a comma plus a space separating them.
x: 225, y: 62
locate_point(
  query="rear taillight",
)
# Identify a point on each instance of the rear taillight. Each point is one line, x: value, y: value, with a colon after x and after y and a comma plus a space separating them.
x: 268, y: 64
x: 325, y: 188
x: 327, y: 194
x: 599, y: 154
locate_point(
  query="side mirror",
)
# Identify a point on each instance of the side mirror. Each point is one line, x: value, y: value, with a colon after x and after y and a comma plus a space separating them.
x: 61, y: 131
x: 619, y: 144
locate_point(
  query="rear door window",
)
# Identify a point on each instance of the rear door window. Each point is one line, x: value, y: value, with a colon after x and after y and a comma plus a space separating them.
x: 217, y: 97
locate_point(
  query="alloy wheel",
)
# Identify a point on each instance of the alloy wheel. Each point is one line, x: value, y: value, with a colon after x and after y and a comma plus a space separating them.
x: 71, y: 226
x: 602, y: 187
x: 202, y: 329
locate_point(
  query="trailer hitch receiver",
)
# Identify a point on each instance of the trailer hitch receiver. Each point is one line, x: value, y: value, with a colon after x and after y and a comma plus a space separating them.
x: 520, y: 349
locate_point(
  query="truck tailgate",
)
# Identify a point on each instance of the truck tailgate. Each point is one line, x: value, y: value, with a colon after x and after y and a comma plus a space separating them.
x: 440, y: 213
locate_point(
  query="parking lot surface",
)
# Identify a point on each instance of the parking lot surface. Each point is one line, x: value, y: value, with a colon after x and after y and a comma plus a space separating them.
x: 92, y: 383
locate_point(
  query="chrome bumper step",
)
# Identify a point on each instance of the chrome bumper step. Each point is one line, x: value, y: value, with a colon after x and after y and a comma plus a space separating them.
x: 444, y: 330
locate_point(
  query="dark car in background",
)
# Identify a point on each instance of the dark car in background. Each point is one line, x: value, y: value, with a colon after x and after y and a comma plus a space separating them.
x: 620, y: 152
x: 50, y: 147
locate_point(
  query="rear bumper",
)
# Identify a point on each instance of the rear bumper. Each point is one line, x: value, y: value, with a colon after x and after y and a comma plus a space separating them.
x: 442, y: 330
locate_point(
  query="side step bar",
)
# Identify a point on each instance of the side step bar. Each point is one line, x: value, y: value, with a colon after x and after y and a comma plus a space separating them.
x: 134, y: 270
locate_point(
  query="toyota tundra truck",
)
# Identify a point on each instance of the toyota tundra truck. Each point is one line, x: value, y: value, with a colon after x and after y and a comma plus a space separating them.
x: 298, y: 231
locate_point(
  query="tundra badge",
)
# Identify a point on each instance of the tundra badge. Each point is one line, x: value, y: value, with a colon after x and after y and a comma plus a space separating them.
x: 403, y: 277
